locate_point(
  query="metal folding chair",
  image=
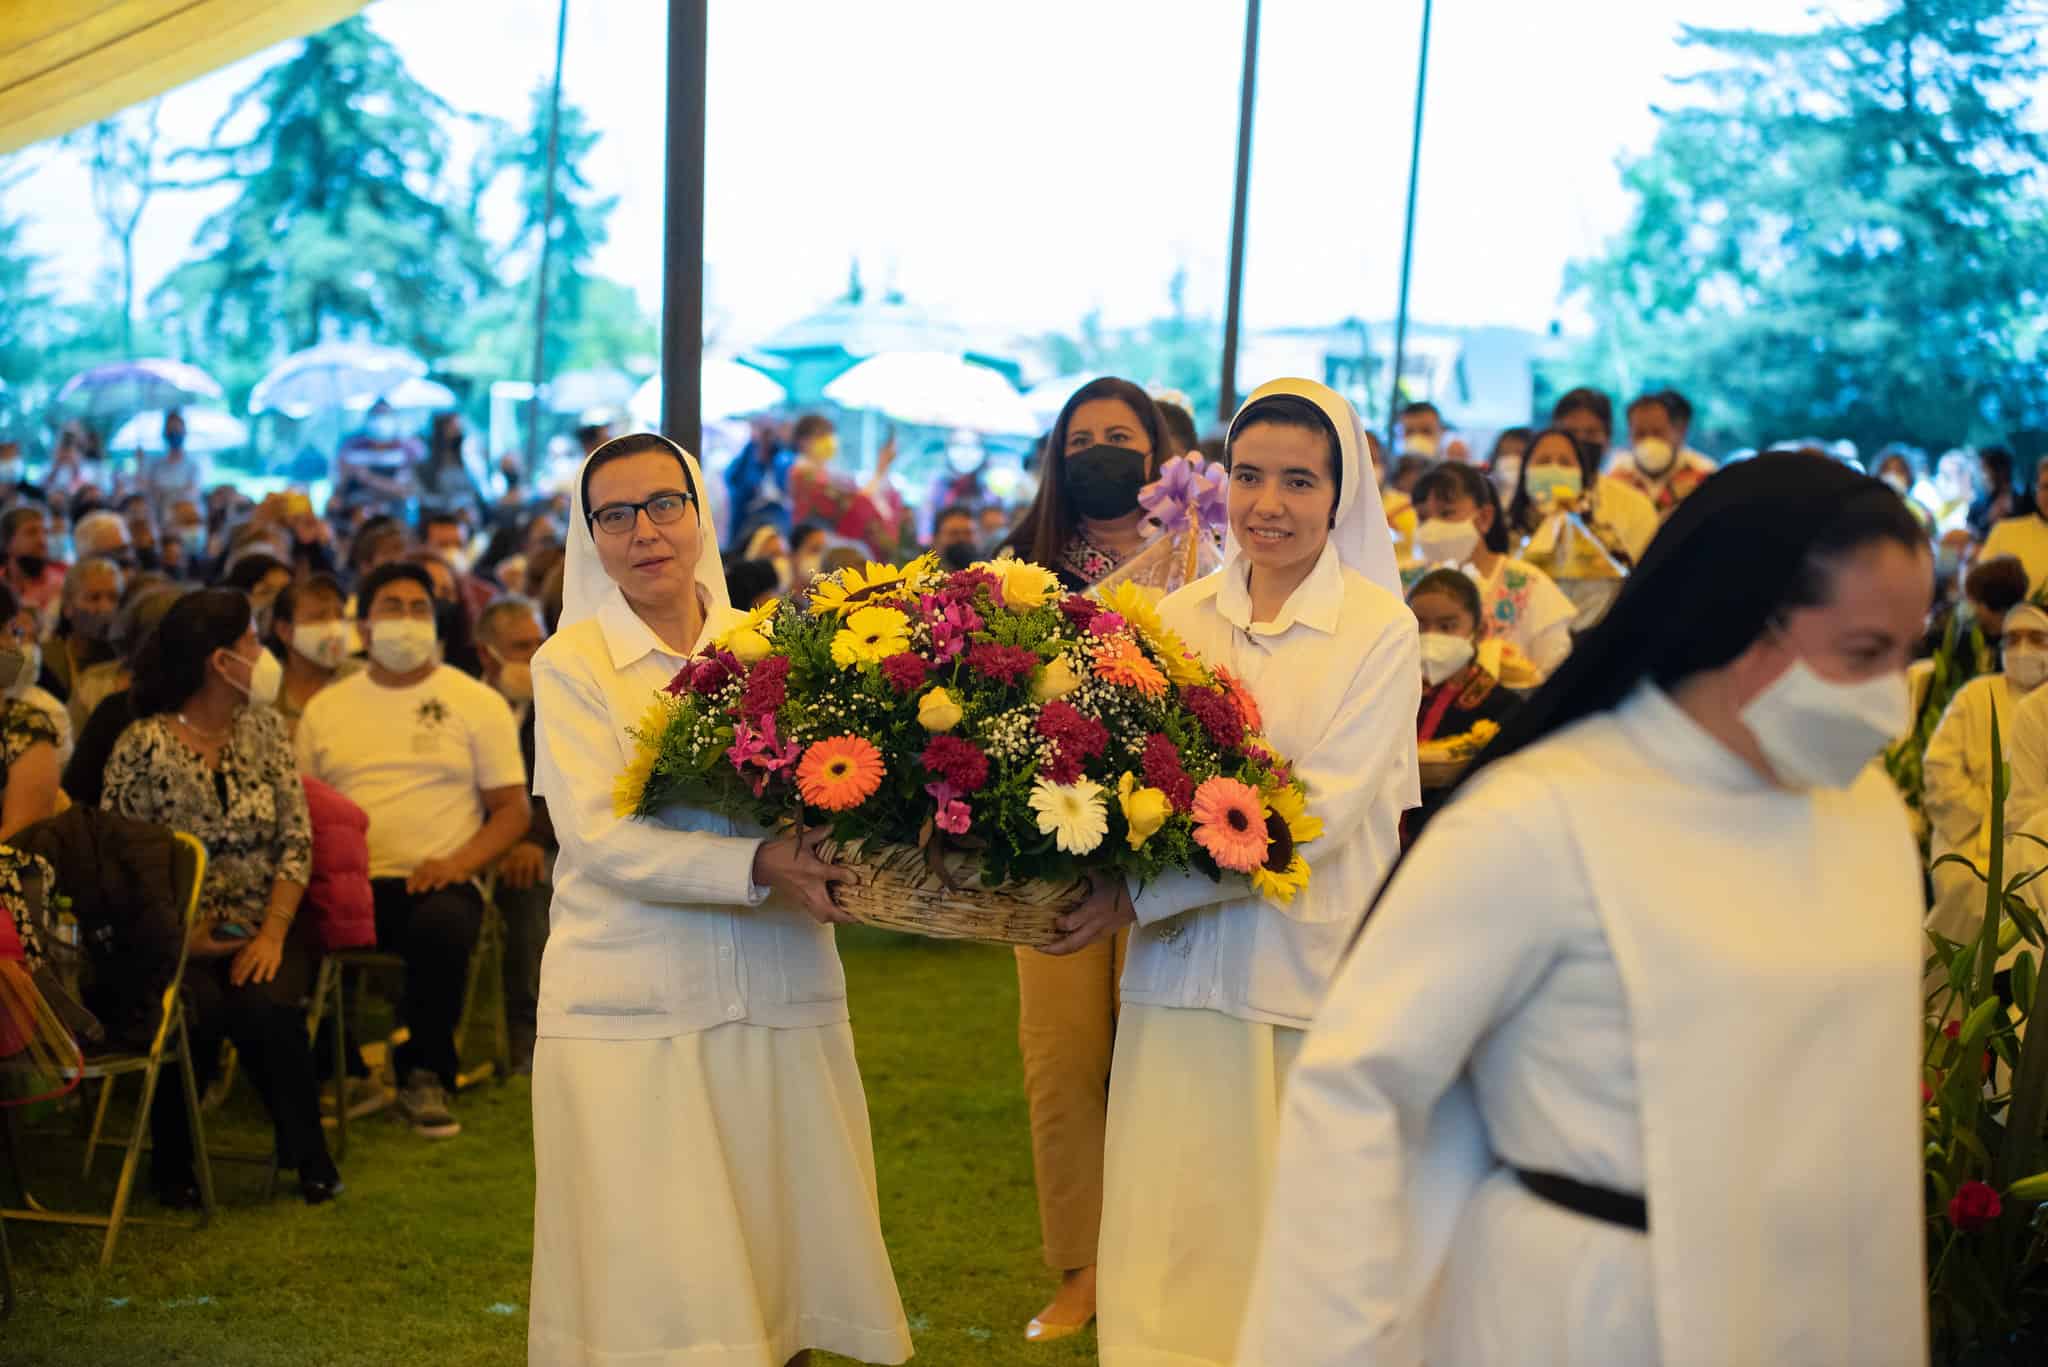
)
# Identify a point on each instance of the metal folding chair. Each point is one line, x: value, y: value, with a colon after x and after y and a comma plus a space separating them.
x: 171, y: 1045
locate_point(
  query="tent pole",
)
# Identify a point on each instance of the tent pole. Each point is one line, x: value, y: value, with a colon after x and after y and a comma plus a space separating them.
x: 1408, y: 238
x: 1226, y: 402
x: 535, y: 413
x: 682, y: 275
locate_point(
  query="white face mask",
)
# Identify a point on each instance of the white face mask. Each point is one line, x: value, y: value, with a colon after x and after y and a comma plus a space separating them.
x: 1506, y: 472
x: 1443, y: 656
x: 326, y: 644
x: 515, y: 681
x: 1418, y: 444
x: 26, y: 673
x: 1443, y: 542
x: 266, y: 675
x: 1819, y: 734
x: 1654, y: 457
x: 2026, y: 668
x: 402, y: 645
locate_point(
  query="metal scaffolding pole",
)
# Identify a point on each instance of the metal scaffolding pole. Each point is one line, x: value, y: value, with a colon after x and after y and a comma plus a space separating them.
x: 535, y: 413
x: 1226, y: 402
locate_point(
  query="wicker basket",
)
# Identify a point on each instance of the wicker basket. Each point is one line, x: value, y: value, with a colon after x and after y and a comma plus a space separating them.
x: 900, y: 891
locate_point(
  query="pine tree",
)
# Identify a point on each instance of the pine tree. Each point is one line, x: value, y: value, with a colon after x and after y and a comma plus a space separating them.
x: 1844, y: 236
x: 343, y: 224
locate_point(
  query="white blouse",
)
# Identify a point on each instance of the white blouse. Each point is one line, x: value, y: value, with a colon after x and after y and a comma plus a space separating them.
x: 1338, y: 679
x: 656, y: 928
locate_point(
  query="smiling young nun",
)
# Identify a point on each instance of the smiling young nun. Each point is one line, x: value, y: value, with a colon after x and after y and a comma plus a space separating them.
x: 706, y: 1182
x: 1665, y: 943
x: 1219, y: 983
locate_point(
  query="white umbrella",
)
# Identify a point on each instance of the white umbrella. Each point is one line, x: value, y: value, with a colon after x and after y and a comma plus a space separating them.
x: 207, y: 431
x: 412, y: 395
x: 332, y: 375
x: 729, y: 389
x: 575, y: 391
x: 932, y: 389
x: 125, y: 386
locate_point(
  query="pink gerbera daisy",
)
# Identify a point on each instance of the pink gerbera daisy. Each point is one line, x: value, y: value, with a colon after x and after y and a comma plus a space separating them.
x: 1230, y: 823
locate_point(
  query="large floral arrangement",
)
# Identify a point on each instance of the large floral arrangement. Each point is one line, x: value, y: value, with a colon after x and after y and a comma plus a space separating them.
x: 1984, y: 1093
x: 985, y: 710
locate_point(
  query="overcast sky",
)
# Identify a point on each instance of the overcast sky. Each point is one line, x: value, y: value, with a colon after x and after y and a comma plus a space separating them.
x: 1016, y: 165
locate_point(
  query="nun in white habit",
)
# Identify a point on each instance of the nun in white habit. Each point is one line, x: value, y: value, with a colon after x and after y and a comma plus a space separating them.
x: 1219, y: 983
x: 1665, y: 945
x: 706, y: 1183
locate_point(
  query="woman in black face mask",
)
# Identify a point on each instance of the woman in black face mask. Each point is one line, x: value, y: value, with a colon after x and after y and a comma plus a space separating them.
x: 1086, y: 520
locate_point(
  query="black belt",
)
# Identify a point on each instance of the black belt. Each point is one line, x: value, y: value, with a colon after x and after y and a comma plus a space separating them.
x: 1583, y: 1198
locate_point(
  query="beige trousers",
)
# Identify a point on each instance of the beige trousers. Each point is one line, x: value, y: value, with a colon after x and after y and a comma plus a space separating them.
x: 1066, y: 1029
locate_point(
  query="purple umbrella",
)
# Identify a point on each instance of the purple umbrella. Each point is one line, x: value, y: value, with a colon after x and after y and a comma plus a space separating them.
x: 123, y: 387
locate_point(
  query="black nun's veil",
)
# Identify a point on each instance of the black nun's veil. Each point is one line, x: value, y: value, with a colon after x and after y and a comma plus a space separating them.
x: 1708, y: 586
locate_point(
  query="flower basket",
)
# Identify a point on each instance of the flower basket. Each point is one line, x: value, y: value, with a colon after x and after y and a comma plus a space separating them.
x: 981, y: 743
x: 902, y: 889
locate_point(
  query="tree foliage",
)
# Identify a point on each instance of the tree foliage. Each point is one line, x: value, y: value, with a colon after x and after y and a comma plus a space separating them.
x: 342, y: 223
x: 1843, y: 235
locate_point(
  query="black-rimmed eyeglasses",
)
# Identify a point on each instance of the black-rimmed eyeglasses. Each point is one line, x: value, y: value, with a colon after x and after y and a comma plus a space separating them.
x: 617, y: 519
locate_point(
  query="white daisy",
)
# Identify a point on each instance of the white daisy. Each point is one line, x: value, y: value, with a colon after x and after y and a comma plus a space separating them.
x: 1072, y: 813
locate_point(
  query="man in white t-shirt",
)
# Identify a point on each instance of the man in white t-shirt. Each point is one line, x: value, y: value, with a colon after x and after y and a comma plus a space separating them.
x: 433, y: 756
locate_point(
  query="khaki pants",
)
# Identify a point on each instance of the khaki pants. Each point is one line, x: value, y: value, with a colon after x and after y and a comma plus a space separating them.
x: 1066, y: 1028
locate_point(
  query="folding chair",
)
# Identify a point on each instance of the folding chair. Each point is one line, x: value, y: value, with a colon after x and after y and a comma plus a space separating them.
x: 330, y: 997
x: 171, y: 1045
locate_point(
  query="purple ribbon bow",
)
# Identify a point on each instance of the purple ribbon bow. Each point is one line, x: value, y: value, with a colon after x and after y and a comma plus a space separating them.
x: 1189, y: 490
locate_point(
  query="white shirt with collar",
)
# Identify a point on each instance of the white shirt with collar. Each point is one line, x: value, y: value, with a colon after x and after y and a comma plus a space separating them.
x: 656, y: 928
x: 1338, y: 678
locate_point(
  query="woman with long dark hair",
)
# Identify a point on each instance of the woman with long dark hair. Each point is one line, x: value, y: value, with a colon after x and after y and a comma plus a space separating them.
x: 1665, y: 943
x: 210, y: 757
x: 1084, y: 525
x: 1086, y: 520
x: 445, y: 483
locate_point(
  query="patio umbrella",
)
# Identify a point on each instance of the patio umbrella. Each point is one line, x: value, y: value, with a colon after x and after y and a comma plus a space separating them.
x: 332, y: 375
x: 121, y: 387
x: 932, y: 389
x: 730, y: 389
x: 412, y: 395
x: 1048, y: 397
x: 207, y: 431
x: 577, y: 391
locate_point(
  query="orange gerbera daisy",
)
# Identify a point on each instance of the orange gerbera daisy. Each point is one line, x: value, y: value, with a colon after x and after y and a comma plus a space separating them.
x: 1247, y: 705
x: 839, y: 773
x: 1121, y: 662
x: 1230, y: 823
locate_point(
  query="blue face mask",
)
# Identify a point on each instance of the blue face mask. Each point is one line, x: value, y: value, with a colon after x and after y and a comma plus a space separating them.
x: 1554, y: 483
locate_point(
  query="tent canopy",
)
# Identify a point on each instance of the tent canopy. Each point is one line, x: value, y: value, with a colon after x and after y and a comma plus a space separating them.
x: 63, y: 66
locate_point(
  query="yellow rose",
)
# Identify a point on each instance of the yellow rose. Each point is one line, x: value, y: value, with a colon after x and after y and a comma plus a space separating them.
x: 1026, y: 585
x: 1145, y: 809
x: 936, y: 711
x: 1056, y: 680
x: 749, y: 647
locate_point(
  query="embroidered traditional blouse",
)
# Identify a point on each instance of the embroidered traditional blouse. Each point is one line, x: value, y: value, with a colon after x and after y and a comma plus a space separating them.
x: 23, y: 726
x: 250, y: 813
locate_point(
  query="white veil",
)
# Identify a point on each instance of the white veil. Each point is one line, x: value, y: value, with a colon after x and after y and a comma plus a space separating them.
x: 1363, y: 540
x: 585, y: 585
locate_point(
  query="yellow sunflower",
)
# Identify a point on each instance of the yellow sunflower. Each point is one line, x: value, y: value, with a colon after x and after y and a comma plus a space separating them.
x: 1139, y: 607
x: 1290, y: 804
x: 850, y: 588
x: 631, y: 785
x: 870, y: 636
x: 1279, y: 888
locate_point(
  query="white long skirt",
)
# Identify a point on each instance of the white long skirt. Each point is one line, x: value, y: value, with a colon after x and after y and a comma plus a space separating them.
x: 1531, y: 1284
x: 707, y: 1200
x: 1194, y: 1120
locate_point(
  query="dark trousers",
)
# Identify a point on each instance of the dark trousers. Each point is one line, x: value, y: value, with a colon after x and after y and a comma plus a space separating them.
x: 435, y: 933
x: 524, y: 912
x: 267, y: 1022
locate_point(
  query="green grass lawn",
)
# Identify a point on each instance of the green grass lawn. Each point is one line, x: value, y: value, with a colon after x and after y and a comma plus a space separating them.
x: 424, y: 1259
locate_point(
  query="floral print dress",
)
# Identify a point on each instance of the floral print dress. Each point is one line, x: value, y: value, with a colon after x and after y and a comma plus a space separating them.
x: 23, y: 726
x: 250, y: 813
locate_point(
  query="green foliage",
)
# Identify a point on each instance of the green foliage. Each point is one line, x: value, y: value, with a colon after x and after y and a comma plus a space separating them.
x: 341, y: 224
x: 25, y: 322
x: 1984, y: 1126
x: 1961, y: 657
x: 1843, y: 235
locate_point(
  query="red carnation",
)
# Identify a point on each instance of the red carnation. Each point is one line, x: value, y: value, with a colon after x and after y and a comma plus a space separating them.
x: 1062, y: 768
x: 1163, y: 771
x: 1004, y: 664
x: 1075, y: 734
x: 1217, y: 714
x: 958, y: 762
x: 708, y: 673
x: 1973, y: 1206
x: 962, y: 585
x: 905, y: 671
x: 1079, y: 610
x: 1953, y: 1029
x: 767, y: 687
